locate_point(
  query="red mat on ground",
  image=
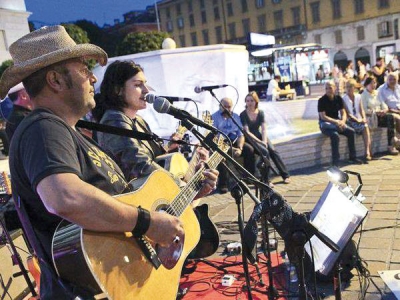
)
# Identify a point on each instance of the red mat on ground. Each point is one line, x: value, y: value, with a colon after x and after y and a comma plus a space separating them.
x: 206, y: 281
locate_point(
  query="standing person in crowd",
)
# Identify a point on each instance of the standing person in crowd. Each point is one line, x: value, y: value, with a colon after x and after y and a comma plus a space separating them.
x: 332, y: 122
x: 22, y: 106
x: 389, y: 93
x: 273, y: 88
x: 356, y: 117
x: 340, y: 84
x: 350, y: 69
x: 379, y: 71
x: 377, y: 113
x: 223, y: 122
x: 122, y: 95
x: 56, y: 172
x: 361, y: 71
x: 255, y: 125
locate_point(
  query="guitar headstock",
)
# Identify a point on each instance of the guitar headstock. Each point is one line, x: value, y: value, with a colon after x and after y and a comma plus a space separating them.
x: 181, y: 130
x: 207, y: 117
x: 5, y: 187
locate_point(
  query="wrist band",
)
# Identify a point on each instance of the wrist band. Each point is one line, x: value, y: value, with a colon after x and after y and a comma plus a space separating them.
x: 142, y: 222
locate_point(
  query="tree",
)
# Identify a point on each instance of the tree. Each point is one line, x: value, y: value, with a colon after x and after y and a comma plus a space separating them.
x: 137, y: 42
x: 5, y: 65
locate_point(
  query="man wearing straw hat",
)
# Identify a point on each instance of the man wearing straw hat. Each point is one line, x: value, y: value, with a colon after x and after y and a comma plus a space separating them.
x: 56, y: 172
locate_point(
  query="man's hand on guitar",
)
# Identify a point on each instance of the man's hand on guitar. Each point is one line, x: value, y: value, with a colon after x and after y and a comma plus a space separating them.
x: 209, y: 182
x: 164, y: 228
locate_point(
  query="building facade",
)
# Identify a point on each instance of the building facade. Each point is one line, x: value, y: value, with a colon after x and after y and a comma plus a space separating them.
x: 351, y: 29
x: 13, y: 24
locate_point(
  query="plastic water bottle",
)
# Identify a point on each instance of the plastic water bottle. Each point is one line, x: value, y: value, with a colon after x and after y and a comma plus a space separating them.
x: 293, y: 274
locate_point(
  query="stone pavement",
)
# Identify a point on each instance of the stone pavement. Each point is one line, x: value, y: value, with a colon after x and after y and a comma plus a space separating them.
x: 380, y: 239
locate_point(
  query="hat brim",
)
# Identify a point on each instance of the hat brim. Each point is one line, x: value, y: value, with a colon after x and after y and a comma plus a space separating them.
x: 17, y: 73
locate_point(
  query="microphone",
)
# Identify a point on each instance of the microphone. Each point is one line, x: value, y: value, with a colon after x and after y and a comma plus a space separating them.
x: 199, y: 89
x: 150, y: 98
x: 163, y: 106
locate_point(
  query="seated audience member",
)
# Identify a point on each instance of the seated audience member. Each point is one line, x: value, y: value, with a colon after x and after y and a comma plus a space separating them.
x: 356, y: 118
x: 122, y: 95
x: 389, y: 93
x: 273, y: 88
x: 22, y: 106
x: 379, y: 71
x: 377, y: 113
x: 332, y: 122
x: 223, y: 122
x: 254, y: 123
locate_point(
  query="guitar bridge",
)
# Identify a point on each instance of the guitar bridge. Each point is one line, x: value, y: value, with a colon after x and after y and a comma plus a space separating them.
x: 149, y: 252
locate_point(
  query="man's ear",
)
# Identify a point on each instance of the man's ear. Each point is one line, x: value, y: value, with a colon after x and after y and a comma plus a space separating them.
x: 54, y: 80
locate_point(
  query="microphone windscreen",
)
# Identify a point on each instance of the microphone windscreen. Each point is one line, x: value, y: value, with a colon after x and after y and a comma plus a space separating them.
x: 150, y: 98
x: 197, y: 89
x: 161, y: 105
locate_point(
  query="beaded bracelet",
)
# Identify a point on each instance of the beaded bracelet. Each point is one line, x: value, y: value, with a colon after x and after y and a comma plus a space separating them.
x: 142, y: 223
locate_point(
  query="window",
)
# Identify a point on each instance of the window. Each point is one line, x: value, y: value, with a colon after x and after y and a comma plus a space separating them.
x: 336, y: 9
x: 215, y: 2
x: 218, y: 34
x: 317, y: 38
x: 179, y: 22
x: 3, y: 44
x: 191, y: 20
x: 278, y: 19
x: 244, y: 6
x: 276, y: 1
x: 168, y: 12
x: 206, y: 39
x: 190, y: 6
x: 260, y: 3
x: 232, y: 31
x: 193, y: 37
x: 262, y: 23
x: 296, y: 15
x: 182, y: 40
x: 246, y: 26
x: 383, y: 3
x: 178, y: 9
x: 360, y: 33
x: 216, y: 13
x: 229, y: 8
x: 203, y: 17
x: 385, y: 29
x: 202, y: 4
x: 358, y: 6
x: 170, y: 27
x: 315, y: 12
x: 338, y: 37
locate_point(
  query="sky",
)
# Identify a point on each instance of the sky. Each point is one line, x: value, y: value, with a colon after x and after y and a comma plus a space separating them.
x: 50, y: 12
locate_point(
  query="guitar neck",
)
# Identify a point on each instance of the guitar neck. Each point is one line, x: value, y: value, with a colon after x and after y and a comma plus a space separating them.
x: 190, y: 190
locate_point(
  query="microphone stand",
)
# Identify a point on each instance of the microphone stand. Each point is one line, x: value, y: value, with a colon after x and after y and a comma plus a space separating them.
x: 237, y: 193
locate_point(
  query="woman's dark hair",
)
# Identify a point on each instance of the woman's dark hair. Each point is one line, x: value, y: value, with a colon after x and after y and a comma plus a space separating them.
x: 110, y: 97
x: 369, y: 80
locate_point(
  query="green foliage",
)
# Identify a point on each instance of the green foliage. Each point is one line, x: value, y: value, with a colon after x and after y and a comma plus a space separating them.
x: 5, y: 65
x: 138, y: 42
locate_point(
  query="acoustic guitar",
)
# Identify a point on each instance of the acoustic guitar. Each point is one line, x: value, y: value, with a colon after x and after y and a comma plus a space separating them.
x: 118, y: 266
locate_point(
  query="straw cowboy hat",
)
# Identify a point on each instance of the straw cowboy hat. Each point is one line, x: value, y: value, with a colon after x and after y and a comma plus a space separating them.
x: 41, y: 48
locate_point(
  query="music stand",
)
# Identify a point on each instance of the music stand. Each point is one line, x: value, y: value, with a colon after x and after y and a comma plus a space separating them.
x: 337, y: 216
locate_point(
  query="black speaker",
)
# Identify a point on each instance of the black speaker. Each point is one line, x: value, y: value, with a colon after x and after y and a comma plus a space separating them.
x: 12, y: 283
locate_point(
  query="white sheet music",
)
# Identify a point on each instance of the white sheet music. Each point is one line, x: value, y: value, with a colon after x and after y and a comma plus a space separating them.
x: 338, y: 218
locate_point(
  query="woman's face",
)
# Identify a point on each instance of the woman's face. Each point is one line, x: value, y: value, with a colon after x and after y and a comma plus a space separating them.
x: 250, y: 103
x: 371, y: 86
x: 134, y: 91
x: 350, y: 89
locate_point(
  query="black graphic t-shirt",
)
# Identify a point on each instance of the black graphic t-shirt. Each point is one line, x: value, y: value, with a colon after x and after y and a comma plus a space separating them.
x: 43, y: 145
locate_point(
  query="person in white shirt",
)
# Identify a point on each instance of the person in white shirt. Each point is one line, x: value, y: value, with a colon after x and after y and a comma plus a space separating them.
x: 273, y: 88
x: 356, y: 117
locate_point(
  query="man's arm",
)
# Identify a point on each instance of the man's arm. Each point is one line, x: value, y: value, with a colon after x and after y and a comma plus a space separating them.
x: 67, y: 196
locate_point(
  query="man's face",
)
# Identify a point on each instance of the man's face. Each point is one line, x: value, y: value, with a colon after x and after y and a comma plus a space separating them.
x: 227, y: 105
x: 391, y: 81
x: 330, y: 90
x: 81, y: 89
